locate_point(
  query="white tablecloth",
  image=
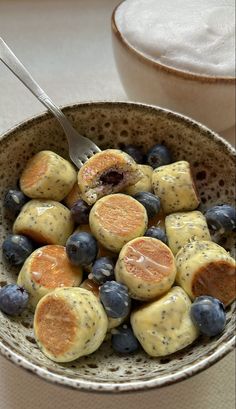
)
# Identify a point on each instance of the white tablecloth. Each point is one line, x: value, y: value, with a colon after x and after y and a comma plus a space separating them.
x: 66, y: 45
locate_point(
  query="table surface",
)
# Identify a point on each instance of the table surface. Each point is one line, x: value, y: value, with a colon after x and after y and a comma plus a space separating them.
x: 67, y: 47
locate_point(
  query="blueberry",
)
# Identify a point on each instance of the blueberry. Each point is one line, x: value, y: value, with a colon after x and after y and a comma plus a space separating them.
x: 80, y: 212
x: 115, y: 299
x: 123, y: 340
x: 135, y: 152
x: 14, y: 200
x: 151, y: 203
x: 208, y: 314
x: 81, y: 249
x: 158, y: 155
x: 13, y: 299
x: 103, y: 270
x: 156, y: 233
x: 16, y: 248
x: 221, y: 217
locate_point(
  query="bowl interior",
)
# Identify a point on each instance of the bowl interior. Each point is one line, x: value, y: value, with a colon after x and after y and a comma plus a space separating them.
x: 113, y: 125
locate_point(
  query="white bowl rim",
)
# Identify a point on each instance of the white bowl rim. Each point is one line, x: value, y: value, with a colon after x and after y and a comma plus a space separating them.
x: 133, y: 385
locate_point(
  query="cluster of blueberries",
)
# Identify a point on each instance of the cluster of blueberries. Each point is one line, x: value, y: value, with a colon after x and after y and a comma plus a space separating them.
x: 207, y: 312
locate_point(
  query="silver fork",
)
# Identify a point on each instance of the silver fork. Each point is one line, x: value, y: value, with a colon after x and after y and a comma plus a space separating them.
x: 80, y: 147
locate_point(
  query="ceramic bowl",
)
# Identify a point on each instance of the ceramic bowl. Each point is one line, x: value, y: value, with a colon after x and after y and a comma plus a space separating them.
x: 208, y: 99
x: 113, y: 125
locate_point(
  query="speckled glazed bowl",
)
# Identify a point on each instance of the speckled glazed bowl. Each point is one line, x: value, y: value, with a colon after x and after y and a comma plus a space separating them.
x: 112, y: 125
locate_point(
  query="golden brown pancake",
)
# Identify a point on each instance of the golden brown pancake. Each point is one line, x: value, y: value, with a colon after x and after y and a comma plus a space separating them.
x: 69, y: 323
x: 205, y: 268
x: 217, y: 279
x: 45, y: 269
x: 47, y: 176
x: 56, y: 326
x: 107, y: 172
x: 147, y: 266
x: 45, y: 221
x: 116, y: 219
x: 35, y: 169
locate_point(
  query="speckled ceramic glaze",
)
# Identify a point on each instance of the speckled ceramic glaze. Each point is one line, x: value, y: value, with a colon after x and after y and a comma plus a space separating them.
x: 112, y: 125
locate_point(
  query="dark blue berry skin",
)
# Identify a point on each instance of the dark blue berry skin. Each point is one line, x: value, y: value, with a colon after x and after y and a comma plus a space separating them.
x: 135, y: 153
x: 81, y: 249
x: 123, y: 340
x: 14, y: 200
x: 115, y: 299
x: 151, y: 203
x: 158, y: 155
x: 103, y: 270
x: 13, y: 299
x: 221, y: 217
x: 16, y: 248
x: 80, y: 212
x: 156, y: 233
x: 208, y: 314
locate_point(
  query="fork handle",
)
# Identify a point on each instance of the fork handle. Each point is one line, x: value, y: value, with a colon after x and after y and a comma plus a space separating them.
x: 18, y: 69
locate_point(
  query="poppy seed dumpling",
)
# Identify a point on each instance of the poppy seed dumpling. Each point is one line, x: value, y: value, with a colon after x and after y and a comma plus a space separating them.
x: 116, y: 219
x: 45, y: 269
x: 182, y: 227
x: 175, y: 186
x: 69, y: 323
x: 147, y: 267
x: 107, y: 172
x: 47, y: 176
x: 205, y: 268
x: 164, y: 326
x: 44, y: 221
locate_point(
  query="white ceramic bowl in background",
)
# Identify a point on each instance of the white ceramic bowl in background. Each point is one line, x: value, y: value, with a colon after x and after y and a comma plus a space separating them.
x: 208, y: 99
x: 114, y: 125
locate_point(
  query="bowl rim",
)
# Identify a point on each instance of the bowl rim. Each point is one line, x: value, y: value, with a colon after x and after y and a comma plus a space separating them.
x: 189, y: 75
x: 134, y: 385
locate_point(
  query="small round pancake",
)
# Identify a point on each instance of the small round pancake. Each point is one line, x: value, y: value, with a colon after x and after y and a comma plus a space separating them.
x: 47, y: 176
x: 205, y: 268
x: 164, y: 326
x: 69, y: 323
x: 147, y: 267
x: 45, y: 269
x: 107, y: 172
x: 175, y: 186
x: 73, y: 196
x: 144, y: 184
x: 116, y: 219
x: 45, y: 221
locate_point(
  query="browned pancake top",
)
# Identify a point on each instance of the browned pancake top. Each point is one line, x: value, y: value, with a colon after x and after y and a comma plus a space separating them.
x: 217, y: 279
x: 148, y: 259
x: 100, y: 163
x: 51, y: 268
x: 34, y: 170
x: 55, y: 325
x: 120, y: 214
